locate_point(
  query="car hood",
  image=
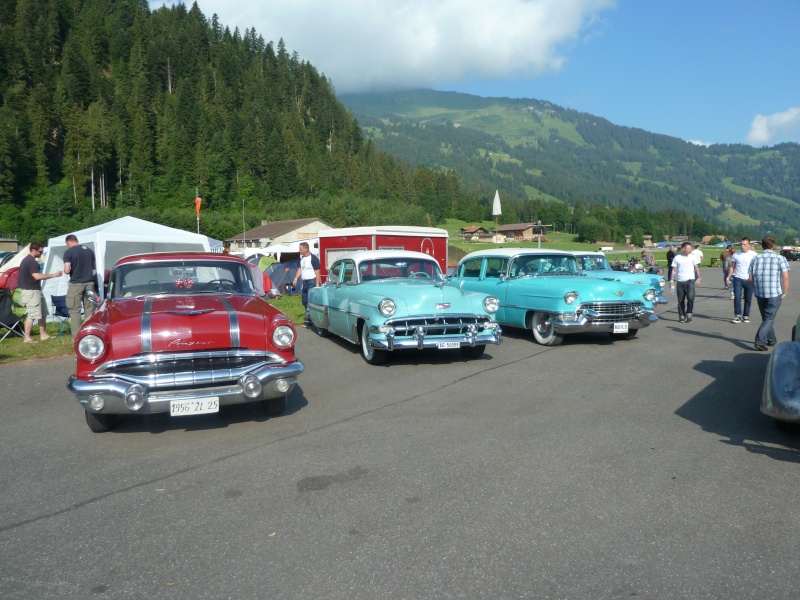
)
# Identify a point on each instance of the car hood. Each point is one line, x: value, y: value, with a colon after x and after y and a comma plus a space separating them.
x: 414, y: 297
x: 589, y: 289
x: 180, y: 323
x: 635, y: 278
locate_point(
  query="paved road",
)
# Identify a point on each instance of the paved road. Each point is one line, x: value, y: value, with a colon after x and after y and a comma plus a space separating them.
x: 596, y: 469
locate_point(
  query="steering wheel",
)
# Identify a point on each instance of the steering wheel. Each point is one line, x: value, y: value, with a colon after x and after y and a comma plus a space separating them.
x: 419, y: 274
x: 223, y: 285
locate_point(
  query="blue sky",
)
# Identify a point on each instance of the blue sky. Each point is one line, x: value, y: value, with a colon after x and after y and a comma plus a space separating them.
x: 710, y: 71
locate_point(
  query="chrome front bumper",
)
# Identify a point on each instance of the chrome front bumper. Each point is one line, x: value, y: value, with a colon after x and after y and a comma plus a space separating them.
x: 276, y: 381
x: 385, y: 338
x: 589, y: 321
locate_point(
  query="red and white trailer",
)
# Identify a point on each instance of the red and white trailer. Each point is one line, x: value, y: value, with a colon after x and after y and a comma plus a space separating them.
x: 335, y: 242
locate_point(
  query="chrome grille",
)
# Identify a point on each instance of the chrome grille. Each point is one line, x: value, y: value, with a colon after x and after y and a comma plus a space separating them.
x: 613, y: 312
x: 175, y: 370
x: 437, y: 325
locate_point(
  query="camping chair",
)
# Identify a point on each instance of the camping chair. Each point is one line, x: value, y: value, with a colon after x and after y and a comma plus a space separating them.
x: 10, y: 319
x: 61, y: 313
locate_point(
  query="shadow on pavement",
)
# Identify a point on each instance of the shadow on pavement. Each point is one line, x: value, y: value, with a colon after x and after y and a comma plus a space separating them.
x: 729, y: 407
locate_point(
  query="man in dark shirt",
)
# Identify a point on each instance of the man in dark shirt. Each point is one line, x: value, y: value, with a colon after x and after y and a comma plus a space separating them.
x: 79, y: 264
x: 670, y: 258
x: 29, y: 278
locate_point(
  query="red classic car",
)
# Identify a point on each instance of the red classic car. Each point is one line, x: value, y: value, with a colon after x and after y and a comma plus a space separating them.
x: 182, y: 333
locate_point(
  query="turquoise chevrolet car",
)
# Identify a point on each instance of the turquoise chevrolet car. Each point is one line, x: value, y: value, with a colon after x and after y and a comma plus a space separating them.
x: 546, y: 292
x: 595, y: 264
x: 386, y: 300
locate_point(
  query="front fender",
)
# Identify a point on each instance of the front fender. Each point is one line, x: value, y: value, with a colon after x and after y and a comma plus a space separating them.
x: 781, y: 395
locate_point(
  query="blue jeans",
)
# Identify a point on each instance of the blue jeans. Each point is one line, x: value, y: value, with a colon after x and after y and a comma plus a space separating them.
x: 742, y: 288
x: 768, y: 307
x: 685, y: 290
x: 307, y: 285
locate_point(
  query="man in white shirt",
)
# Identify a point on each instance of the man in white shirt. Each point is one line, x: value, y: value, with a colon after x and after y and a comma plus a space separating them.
x: 698, y: 254
x: 309, y: 274
x: 685, y: 271
x: 739, y: 281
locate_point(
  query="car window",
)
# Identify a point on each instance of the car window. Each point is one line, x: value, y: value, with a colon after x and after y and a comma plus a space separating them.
x: 348, y: 270
x: 391, y: 268
x: 335, y: 273
x: 180, y: 277
x: 471, y: 267
x: 495, y: 267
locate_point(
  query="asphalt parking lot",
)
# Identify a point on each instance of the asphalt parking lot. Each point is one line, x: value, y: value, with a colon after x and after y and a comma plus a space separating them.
x: 596, y: 469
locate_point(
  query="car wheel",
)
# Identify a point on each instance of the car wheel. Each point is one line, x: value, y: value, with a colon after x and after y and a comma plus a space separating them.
x: 370, y: 354
x: 275, y: 406
x: 101, y: 423
x: 543, y: 331
x: 473, y: 351
x: 625, y: 336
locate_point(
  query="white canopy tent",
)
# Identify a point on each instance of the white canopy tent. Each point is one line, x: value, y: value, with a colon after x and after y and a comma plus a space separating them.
x: 114, y: 240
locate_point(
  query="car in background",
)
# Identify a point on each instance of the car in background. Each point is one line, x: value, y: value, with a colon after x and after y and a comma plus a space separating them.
x: 182, y: 333
x: 595, y: 264
x: 544, y: 291
x: 780, y: 398
x: 389, y: 300
x: 791, y: 252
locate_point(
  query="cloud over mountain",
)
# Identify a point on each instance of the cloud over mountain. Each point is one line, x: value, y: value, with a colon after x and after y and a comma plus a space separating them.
x: 364, y: 45
x: 765, y: 129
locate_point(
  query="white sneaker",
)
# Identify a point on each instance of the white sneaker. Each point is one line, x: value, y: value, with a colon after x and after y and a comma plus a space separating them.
x: 737, y: 319
x: 746, y: 319
x: 732, y: 296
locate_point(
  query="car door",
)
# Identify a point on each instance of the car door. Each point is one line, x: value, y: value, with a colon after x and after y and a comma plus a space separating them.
x: 340, y: 318
x: 487, y: 275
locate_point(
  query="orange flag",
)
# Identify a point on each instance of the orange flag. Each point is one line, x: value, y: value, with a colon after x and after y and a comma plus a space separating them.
x: 197, y: 202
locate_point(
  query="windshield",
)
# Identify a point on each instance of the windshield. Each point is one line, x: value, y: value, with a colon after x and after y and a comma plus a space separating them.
x: 397, y: 268
x: 592, y: 262
x: 180, y: 277
x: 543, y: 264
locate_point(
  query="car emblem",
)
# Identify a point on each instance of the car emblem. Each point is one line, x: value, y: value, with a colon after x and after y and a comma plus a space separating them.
x: 443, y: 305
x: 620, y: 293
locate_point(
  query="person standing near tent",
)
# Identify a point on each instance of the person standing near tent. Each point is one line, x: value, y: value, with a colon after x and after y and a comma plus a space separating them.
x: 79, y: 264
x: 30, y: 277
x: 309, y: 273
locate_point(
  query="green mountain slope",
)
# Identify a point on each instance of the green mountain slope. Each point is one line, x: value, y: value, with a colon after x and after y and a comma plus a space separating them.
x: 532, y: 149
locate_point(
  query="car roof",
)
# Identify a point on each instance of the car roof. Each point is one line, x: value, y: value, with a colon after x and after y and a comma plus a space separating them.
x: 361, y: 255
x: 509, y: 252
x: 175, y: 256
x: 586, y: 253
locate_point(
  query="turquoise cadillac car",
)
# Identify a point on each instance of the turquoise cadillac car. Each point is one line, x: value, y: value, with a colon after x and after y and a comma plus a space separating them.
x: 595, y: 264
x: 544, y: 291
x: 388, y: 300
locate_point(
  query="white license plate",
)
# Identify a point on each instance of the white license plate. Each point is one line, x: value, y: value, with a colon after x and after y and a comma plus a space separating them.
x: 446, y: 345
x: 201, y: 406
x: 621, y: 327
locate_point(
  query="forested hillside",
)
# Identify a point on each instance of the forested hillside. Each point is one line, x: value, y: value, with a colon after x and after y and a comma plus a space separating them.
x: 531, y: 149
x: 107, y: 108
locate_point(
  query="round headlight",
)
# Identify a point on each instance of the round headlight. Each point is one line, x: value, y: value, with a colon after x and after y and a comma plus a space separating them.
x: 283, y: 336
x: 387, y: 307
x: 662, y: 283
x: 491, y: 304
x: 570, y: 297
x: 650, y: 295
x: 91, y: 346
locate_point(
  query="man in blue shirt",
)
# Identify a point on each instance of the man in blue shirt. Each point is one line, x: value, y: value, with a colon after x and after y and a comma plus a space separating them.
x: 79, y: 264
x: 769, y: 274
